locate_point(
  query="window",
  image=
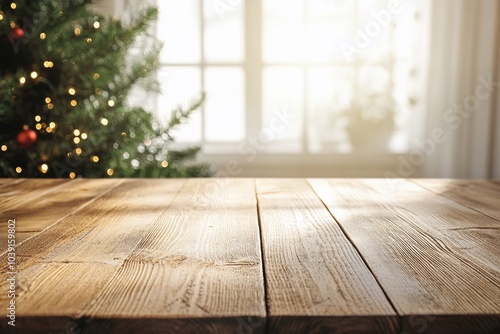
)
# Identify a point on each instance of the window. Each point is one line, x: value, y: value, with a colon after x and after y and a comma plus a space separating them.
x: 302, y: 76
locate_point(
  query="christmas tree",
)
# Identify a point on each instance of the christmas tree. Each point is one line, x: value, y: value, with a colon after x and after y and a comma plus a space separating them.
x: 65, y: 75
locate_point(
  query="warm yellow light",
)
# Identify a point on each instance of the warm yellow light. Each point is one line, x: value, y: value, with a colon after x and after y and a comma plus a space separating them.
x: 76, y: 140
x: 48, y: 64
x: 19, y: 170
x: 111, y: 103
x: 84, y: 136
x: 71, y: 91
x: 76, y: 132
x: 97, y: 25
x: 104, y: 121
x: 43, y: 36
x: 38, y: 118
x: 110, y: 172
x: 13, y: 5
x: 52, y: 124
x: 78, y: 31
x: 48, y: 100
x: 164, y: 164
x: 22, y: 80
x: 89, y: 40
x: 96, y: 76
x: 73, y: 103
x: 4, y: 148
x: 72, y: 175
x: 50, y: 106
x: 49, y: 130
x: 34, y: 75
x: 44, y: 168
x: 78, y: 151
x: 95, y: 158
x: 98, y: 91
x: 12, y: 24
x: 38, y: 126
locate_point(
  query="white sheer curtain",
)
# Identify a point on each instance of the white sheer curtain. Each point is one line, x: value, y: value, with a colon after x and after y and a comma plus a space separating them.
x: 461, y: 138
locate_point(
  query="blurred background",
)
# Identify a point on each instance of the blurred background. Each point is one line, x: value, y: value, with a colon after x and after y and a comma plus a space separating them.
x: 333, y: 88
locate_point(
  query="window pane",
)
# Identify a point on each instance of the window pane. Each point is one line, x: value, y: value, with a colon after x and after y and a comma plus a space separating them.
x: 224, y: 31
x: 179, y: 29
x: 283, y: 31
x: 225, y: 104
x: 330, y: 25
x: 283, y: 94
x: 179, y: 86
x: 330, y: 91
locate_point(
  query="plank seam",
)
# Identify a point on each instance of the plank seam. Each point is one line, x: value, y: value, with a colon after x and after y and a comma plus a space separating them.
x: 263, y: 265
x: 69, y: 214
x: 452, y: 199
x: 400, y: 316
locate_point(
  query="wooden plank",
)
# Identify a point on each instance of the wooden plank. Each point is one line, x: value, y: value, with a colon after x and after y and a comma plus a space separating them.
x: 198, y: 269
x: 316, y: 280
x: 84, y: 251
x: 18, y: 194
x: 479, y: 195
x: 40, y: 213
x: 439, y: 276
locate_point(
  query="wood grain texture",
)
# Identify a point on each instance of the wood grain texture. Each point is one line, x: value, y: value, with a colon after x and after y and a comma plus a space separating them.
x: 40, y: 213
x: 316, y: 281
x: 439, y: 276
x: 479, y: 195
x: 197, y: 270
x: 82, y: 252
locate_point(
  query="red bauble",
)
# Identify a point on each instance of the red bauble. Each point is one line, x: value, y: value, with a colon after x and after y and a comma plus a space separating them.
x: 17, y: 33
x: 26, y: 138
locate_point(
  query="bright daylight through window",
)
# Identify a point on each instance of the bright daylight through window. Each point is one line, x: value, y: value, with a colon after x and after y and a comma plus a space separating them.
x: 347, y: 74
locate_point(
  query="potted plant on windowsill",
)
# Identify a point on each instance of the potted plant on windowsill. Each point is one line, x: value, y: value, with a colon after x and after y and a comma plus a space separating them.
x: 370, y: 124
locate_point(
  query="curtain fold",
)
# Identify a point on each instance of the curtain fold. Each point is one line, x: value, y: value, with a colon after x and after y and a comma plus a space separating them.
x: 462, y: 90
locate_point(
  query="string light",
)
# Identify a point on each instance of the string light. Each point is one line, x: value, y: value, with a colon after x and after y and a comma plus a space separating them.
x: 72, y: 91
x: 84, y: 136
x: 95, y: 158
x: 34, y: 75
x: 44, y: 168
x: 22, y: 80
x: 89, y: 40
x: 72, y: 175
x: 97, y: 25
x: 52, y: 125
x: 43, y: 36
x: 38, y: 118
x: 48, y: 100
x: 73, y: 103
x: 78, y: 31
x: 12, y: 24
x: 164, y: 164
x: 1, y: 16
x: 104, y: 121
x: 78, y: 151
x: 96, y: 76
x: 4, y: 148
x: 48, y: 64
x: 50, y: 106
x: 111, y: 103
x: 76, y: 140
x: 76, y: 132
x: 19, y: 170
x: 13, y: 5
x: 49, y: 130
x: 110, y: 172
x: 38, y: 126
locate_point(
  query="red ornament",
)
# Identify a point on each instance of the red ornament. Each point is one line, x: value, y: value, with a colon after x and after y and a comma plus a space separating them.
x: 26, y: 138
x: 17, y: 33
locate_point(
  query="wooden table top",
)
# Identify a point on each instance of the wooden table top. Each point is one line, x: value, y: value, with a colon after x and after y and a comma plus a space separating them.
x: 251, y: 256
